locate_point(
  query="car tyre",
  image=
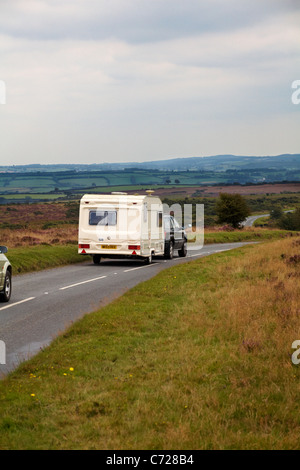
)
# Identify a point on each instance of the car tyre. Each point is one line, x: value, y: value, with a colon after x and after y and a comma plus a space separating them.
x: 183, y: 251
x: 5, y: 295
x: 148, y: 260
x: 170, y: 251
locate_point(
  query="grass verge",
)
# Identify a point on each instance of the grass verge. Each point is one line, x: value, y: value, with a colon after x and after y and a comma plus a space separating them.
x: 262, y: 221
x: 199, y: 357
x: 28, y: 259
x: 251, y: 234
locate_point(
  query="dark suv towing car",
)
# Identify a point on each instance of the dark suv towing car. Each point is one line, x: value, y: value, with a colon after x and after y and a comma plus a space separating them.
x: 175, y: 237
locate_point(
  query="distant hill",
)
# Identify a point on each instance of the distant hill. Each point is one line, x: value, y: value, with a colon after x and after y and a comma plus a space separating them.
x: 223, y: 163
x: 217, y: 163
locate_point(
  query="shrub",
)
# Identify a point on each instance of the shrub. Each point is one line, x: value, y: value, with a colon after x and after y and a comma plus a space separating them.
x: 290, y: 221
x: 232, y: 209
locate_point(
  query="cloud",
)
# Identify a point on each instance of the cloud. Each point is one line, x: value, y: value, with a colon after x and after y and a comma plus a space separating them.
x: 134, y: 21
x: 113, y: 80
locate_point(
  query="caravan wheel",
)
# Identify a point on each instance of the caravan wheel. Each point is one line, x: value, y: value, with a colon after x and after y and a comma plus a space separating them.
x: 96, y: 259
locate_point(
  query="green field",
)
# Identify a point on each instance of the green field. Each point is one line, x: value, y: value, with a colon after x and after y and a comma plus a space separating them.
x: 43, y: 183
x: 64, y: 181
x: 30, y: 196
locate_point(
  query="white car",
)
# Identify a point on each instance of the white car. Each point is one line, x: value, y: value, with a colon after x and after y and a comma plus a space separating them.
x: 5, y: 276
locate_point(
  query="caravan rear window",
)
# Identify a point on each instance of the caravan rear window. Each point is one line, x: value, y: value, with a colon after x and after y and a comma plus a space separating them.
x: 99, y: 217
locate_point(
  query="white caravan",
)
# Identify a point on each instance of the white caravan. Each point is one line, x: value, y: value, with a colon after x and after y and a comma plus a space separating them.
x: 119, y: 225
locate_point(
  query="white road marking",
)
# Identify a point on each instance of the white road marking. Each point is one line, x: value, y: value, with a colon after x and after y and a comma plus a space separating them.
x: 17, y: 303
x: 209, y: 253
x: 139, y: 267
x: 82, y: 282
x: 191, y: 256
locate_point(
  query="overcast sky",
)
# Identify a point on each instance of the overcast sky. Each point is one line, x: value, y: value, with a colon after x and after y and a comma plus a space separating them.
x: 92, y: 81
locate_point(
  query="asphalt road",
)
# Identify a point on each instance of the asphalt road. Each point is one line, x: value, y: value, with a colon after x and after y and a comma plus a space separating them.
x: 250, y: 220
x: 45, y: 303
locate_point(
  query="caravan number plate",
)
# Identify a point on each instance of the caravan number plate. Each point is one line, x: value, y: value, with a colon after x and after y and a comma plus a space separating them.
x: 109, y: 247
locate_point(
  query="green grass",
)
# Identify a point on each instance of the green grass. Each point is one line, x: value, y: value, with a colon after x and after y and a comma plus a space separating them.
x: 27, y: 259
x: 245, y: 235
x: 262, y: 221
x: 155, y: 371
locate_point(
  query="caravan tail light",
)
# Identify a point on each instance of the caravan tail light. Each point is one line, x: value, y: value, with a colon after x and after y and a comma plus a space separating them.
x: 84, y: 245
x: 134, y: 247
